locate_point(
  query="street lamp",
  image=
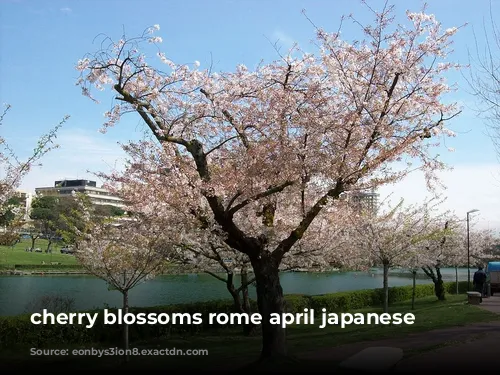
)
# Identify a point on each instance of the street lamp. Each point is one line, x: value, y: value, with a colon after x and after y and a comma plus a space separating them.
x: 468, y: 249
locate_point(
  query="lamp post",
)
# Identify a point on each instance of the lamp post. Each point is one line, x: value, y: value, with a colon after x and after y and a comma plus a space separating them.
x: 468, y: 249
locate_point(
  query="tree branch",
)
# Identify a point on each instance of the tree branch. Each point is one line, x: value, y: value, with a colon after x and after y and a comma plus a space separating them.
x: 272, y: 190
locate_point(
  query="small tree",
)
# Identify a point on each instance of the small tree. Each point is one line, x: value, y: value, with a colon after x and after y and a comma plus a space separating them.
x: 412, y: 262
x: 389, y: 238
x: 34, y: 232
x: 437, y: 248
x: 45, y: 210
x: 456, y: 249
x: 481, y: 245
x: 221, y: 262
x: 123, y: 254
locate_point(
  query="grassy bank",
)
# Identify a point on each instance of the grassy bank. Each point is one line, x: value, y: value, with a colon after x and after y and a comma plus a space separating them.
x: 229, y: 348
x: 17, y: 258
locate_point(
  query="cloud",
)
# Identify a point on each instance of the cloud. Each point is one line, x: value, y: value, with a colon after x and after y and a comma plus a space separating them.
x: 81, y: 153
x: 66, y: 10
x: 468, y: 186
x: 282, y: 39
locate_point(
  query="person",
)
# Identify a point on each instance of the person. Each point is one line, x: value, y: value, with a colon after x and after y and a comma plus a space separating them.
x: 479, y: 280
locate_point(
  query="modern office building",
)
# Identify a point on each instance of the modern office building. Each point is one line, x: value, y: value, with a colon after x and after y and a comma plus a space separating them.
x: 364, y: 200
x: 97, y: 195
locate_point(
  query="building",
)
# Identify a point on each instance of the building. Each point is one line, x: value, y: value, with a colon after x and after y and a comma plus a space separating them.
x: 25, y: 200
x: 364, y: 200
x: 97, y: 195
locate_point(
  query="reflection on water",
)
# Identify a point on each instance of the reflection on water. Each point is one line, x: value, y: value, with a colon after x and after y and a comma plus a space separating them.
x: 17, y: 292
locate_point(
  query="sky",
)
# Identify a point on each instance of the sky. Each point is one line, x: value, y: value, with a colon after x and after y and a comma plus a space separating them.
x: 41, y: 42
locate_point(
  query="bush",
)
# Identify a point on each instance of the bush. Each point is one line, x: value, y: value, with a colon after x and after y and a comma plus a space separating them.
x: 19, y: 330
x: 53, y: 303
x: 8, y: 239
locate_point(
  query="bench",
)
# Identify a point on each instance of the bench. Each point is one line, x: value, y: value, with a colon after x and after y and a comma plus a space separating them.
x: 373, y: 359
x: 474, y: 298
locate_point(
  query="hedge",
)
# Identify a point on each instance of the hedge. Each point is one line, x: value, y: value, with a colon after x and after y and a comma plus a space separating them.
x: 18, y: 330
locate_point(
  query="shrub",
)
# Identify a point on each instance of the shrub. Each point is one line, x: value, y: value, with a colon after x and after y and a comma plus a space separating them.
x: 53, y: 303
x: 8, y: 239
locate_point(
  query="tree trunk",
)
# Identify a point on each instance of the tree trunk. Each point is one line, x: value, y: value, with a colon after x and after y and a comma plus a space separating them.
x: 125, y: 325
x: 456, y: 280
x: 48, y: 246
x: 248, y: 329
x: 234, y: 293
x: 33, y: 239
x: 244, y: 291
x: 270, y: 301
x: 239, y: 306
x: 437, y: 279
x: 439, y: 286
x: 413, y: 292
x: 386, y: 287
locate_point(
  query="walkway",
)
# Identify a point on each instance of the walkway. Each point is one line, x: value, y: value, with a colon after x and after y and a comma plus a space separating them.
x: 467, y: 347
x: 491, y: 304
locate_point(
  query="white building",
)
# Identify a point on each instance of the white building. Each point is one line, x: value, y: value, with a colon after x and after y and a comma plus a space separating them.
x: 97, y: 195
x: 25, y: 199
x: 363, y: 200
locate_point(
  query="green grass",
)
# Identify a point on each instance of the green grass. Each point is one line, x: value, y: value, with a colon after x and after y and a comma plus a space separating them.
x: 16, y: 255
x: 229, y: 347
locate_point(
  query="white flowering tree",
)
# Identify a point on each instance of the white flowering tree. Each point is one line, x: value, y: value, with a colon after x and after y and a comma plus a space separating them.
x: 389, y: 238
x: 439, y: 249
x: 413, y: 262
x: 122, y: 253
x: 481, y: 244
x: 266, y: 151
x: 455, y: 253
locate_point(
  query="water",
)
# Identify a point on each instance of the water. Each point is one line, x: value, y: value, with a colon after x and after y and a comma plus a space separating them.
x: 18, y: 292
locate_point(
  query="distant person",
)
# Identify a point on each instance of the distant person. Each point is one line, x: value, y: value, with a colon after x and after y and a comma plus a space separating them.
x: 479, y: 280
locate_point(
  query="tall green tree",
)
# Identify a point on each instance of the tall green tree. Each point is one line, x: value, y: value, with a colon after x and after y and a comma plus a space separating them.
x: 45, y: 210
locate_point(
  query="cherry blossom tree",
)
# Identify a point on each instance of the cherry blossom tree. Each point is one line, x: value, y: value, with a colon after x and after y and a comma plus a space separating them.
x: 438, y: 249
x: 264, y: 152
x: 413, y: 262
x: 389, y: 238
x: 481, y: 244
x: 122, y: 253
x: 13, y: 169
x: 452, y: 254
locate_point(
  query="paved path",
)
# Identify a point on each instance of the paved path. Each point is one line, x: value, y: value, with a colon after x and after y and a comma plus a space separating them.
x: 412, y: 342
x: 467, y: 347
x: 491, y: 304
x: 478, y: 352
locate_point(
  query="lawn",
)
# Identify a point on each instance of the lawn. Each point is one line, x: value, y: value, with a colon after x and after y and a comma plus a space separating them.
x: 230, y: 348
x: 16, y: 255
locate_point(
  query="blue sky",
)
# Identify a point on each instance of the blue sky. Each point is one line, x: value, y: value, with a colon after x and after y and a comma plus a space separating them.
x: 41, y: 41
